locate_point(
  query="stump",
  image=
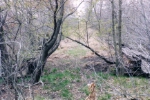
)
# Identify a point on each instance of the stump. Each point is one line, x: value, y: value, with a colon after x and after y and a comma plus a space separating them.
x: 27, y: 67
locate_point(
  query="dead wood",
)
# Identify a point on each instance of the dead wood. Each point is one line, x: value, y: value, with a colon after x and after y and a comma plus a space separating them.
x: 135, y: 62
x: 88, y: 47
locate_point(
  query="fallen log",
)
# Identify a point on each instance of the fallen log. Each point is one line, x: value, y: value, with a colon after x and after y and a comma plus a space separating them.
x: 136, y: 63
x: 96, y: 53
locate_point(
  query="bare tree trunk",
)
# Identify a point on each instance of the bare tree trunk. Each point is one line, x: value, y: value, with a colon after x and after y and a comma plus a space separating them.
x: 121, y: 69
x: 4, y: 53
x: 120, y: 28
x: 113, y: 32
x: 52, y: 44
x: 3, y: 49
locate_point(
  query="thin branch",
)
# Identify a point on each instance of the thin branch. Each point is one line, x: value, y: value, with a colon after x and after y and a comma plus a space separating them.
x: 72, y: 11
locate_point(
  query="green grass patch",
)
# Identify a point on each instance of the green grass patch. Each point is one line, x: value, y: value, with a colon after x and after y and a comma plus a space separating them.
x: 60, y: 80
x: 127, y: 82
x: 133, y: 85
x: 106, y: 96
x: 65, y: 93
x: 104, y: 75
x: 130, y: 82
x: 76, y: 52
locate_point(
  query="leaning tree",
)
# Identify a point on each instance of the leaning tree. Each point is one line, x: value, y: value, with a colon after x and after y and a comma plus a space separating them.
x: 52, y: 43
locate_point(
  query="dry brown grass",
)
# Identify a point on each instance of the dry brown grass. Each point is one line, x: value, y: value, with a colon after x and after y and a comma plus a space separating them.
x: 92, y: 95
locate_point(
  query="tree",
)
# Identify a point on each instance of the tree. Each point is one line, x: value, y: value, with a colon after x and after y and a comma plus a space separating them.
x: 28, y: 21
x: 114, y: 32
x: 50, y: 45
x: 3, y: 15
x: 120, y: 28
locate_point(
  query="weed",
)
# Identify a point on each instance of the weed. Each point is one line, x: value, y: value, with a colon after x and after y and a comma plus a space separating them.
x: 66, y: 94
x: 54, y: 70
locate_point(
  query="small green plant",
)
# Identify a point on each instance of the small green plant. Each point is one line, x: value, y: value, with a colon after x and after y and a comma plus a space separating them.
x: 103, y: 75
x: 106, y: 96
x: 65, y: 93
x: 85, y: 90
x: 54, y: 70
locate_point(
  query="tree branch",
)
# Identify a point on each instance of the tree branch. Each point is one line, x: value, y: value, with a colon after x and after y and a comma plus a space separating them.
x: 110, y: 62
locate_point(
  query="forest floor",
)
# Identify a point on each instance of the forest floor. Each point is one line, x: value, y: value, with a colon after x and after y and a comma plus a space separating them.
x: 72, y: 67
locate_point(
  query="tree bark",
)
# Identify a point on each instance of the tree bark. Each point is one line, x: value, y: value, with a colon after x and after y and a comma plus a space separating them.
x: 121, y: 69
x: 4, y: 54
x: 113, y: 32
x: 135, y: 62
x: 52, y: 44
x: 120, y: 28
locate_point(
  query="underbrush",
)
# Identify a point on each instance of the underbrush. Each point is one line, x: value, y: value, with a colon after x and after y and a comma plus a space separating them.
x: 108, y: 86
x: 60, y: 81
x: 68, y: 79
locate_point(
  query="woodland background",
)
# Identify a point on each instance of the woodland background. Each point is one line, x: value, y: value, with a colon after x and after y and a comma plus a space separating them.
x: 51, y: 49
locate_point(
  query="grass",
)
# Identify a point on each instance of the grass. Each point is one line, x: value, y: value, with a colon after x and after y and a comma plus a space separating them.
x: 105, y: 96
x: 65, y: 93
x: 104, y: 75
x: 112, y: 85
x: 129, y: 82
x: 59, y: 81
x: 76, y: 52
x: 63, y: 82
